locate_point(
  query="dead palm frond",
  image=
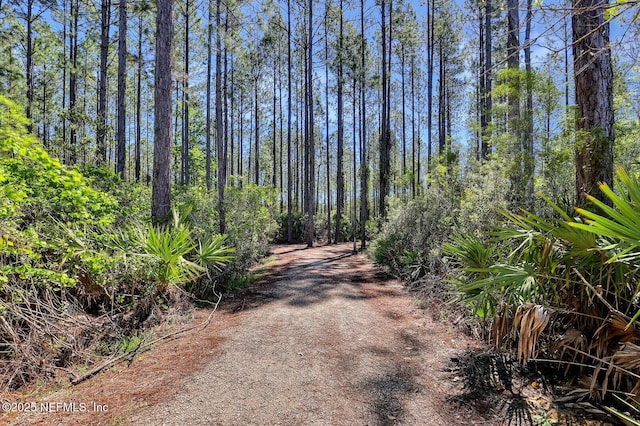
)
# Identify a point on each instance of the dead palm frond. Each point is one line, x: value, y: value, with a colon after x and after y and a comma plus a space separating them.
x: 532, y: 320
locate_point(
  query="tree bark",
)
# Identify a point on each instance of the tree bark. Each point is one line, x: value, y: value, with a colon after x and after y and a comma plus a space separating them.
x: 385, y: 148
x: 515, y: 130
x: 73, y: 81
x: 208, y: 95
x: 138, y: 153
x: 185, y: 175
x: 488, y: 101
x: 594, y: 98
x: 122, y: 90
x: 404, y: 121
x: 414, y: 176
x: 529, y: 160
x: 310, y: 145
x: 289, y: 88
x: 29, y: 58
x: 430, y: 46
x: 161, y: 192
x: 256, y: 151
x: 363, y: 135
x: 340, y: 153
x: 326, y: 94
x: 219, y: 123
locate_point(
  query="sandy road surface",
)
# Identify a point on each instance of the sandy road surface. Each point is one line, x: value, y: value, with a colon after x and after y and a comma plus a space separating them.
x: 324, y: 339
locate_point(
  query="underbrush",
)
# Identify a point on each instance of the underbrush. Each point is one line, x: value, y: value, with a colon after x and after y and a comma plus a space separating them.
x: 564, y: 291
x: 85, y: 275
x: 557, y: 290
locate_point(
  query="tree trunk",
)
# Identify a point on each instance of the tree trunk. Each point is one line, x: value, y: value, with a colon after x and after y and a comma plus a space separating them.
x: 430, y: 46
x: 529, y: 160
x: 594, y: 97
x: 138, y: 153
x: 73, y: 82
x: 385, y: 148
x: 208, y: 101
x: 414, y: 176
x: 404, y: 121
x: 482, y: 112
x: 231, y: 118
x: 161, y: 192
x: 185, y: 105
x: 441, y: 102
x: 274, y: 149
x: 340, y: 153
x: 515, y: 130
x: 363, y: 135
x: 256, y: 151
x: 354, y: 195
x: 326, y: 94
x: 310, y: 145
x: 122, y: 90
x: 64, y: 77
x: 488, y: 102
x: 225, y: 102
x: 29, y: 58
x: 219, y: 123
x: 289, y: 88
x: 281, y: 116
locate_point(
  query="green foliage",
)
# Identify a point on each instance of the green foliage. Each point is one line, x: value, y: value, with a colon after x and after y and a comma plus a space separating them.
x: 212, y: 252
x: 37, y: 195
x: 168, y: 247
x: 582, y: 272
x: 251, y: 222
x: 131, y: 344
x: 35, y: 186
x: 298, y: 226
x: 485, y: 190
x: 414, y: 233
x: 250, y: 213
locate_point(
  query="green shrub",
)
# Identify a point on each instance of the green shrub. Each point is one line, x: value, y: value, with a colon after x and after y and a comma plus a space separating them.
x: 251, y: 221
x: 575, y: 279
x: 414, y: 233
x: 298, y: 227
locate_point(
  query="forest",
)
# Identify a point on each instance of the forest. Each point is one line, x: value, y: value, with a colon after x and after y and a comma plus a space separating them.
x: 482, y: 151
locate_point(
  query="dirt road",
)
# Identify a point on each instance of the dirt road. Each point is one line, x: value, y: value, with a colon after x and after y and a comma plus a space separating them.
x: 324, y: 339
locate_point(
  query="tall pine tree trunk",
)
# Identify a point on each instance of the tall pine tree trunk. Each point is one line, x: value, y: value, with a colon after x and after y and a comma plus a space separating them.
x: 515, y: 130
x: 326, y: 95
x: 161, y: 192
x: 186, y: 149
x: 414, y: 176
x: 310, y: 142
x: 488, y: 101
x: 594, y: 97
x: 219, y: 123
x: 208, y: 95
x: 138, y: 153
x: 430, y: 45
x: 529, y: 160
x: 30, y: 86
x: 122, y: 90
x: 385, y: 148
x: 289, y: 126
x: 101, y: 127
x: 340, y: 156
x: 73, y: 82
x: 363, y: 135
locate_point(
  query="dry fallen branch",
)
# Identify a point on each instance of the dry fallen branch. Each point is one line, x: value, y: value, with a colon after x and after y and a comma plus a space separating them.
x: 145, y: 347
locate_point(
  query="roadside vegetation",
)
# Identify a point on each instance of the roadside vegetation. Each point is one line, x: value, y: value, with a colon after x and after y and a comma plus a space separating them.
x: 84, y: 273
x: 557, y: 290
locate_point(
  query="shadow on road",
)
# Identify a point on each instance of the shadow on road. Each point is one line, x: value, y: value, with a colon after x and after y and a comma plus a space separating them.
x: 303, y: 277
